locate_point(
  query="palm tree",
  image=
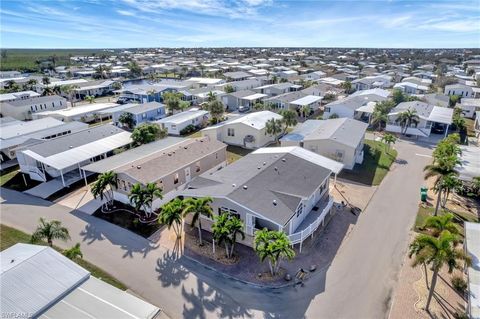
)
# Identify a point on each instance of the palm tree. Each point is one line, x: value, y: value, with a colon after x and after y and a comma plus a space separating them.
x: 50, y: 231
x: 346, y: 86
x: 378, y: 118
x: 211, y: 96
x: 406, y: 119
x: 48, y: 91
x: 90, y: 99
x: 74, y: 252
x: 305, y: 110
x: 274, y: 246
x: 441, y: 168
x: 448, y: 184
x: 198, y: 208
x: 440, y: 223
x: 69, y: 90
x: 226, y: 229
x: 274, y: 128
x: 171, y: 215
x: 289, y: 119
x: 437, y: 252
x: 216, y: 109
x: 137, y: 196
x: 388, y: 139
x: 104, y: 186
x: 151, y: 191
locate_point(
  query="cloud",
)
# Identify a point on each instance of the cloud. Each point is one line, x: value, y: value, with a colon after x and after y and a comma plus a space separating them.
x: 126, y: 13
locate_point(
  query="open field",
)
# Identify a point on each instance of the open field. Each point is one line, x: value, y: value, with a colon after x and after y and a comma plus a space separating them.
x: 25, y: 60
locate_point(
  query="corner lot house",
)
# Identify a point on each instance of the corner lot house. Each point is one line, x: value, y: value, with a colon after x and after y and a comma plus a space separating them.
x: 247, y: 131
x: 170, y: 163
x: 61, y: 158
x: 41, y: 282
x: 428, y: 114
x: 15, y: 134
x: 177, y: 122
x: 339, y: 139
x: 278, y: 188
x: 348, y: 106
x: 141, y: 113
x: 22, y: 105
x: 462, y: 90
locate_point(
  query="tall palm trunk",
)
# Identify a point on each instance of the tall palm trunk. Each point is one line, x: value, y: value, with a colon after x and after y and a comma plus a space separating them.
x: 50, y: 242
x: 200, y: 231
x: 432, y: 289
x: 439, y: 198
x: 272, y: 271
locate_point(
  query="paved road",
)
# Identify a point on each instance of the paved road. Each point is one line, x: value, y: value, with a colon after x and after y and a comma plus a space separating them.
x: 357, y: 285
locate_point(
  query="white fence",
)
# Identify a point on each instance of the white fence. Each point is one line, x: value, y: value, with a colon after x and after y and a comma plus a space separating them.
x: 302, y: 235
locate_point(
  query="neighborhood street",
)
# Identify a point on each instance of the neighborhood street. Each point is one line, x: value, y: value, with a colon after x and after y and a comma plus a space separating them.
x: 358, y: 284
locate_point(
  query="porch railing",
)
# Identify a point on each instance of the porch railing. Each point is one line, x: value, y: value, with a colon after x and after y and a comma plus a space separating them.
x: 299, y: 237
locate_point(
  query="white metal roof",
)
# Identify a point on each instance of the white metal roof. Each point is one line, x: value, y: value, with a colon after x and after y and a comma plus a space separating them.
x: 81, y: 109
x: 257, y: 120
x: 470, y: 160
x: 312, y: 157
x: 255, y: 96
x: 306, y: 100
x: 183, y: 116
x: 367, y: 108
x: 40, y: 282
x: 24, y: 128
x: 66, y: 82
x: 472, y: 239
x: 441, y: 115
x: 83, y: 152
x: 34, y: 277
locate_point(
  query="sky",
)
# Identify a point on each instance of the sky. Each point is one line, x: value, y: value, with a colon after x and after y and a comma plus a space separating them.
x: 239, y: 23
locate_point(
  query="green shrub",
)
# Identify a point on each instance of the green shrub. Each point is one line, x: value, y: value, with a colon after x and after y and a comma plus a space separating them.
x: 459, y: 284
x: 460, y: 314
x: 188, y: 129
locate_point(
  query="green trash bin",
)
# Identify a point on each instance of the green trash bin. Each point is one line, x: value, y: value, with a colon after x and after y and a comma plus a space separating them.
x: 423, y: 193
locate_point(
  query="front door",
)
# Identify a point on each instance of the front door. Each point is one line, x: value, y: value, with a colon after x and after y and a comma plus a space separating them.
x: 187, y: 175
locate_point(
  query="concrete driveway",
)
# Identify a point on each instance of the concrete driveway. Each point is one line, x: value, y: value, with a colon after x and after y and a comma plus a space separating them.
x: 358, y: 284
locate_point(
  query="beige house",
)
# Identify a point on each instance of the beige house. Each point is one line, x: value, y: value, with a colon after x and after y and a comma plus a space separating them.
x: 248, y: 131
x: 338, y: 139
x: 170, y: 163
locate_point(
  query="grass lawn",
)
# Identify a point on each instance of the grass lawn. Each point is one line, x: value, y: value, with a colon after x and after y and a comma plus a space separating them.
x: 194, y: 134
x: 234, y: 153
x: 12, y: 179
x: 376, y: 164
x: 425, y: 212
x: 10, y: 236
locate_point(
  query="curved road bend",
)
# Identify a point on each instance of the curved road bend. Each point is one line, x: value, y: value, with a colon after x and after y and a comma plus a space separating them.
x: 357, y: 285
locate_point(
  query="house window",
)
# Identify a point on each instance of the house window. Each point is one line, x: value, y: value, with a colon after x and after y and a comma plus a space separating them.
x: 299, y: 210
x: 31, y: 107
x: 60, y: 103
x: 339, y: 155
x: 197, y: 167
x: 173, y: 126
x: 144, y: 115
x: 36, y: 108
x: 175, y: 179
x: 53, y: 104
x: 327, y: 109
x: 124, y: 186
x: 231, y: 132
x: 231, y: 212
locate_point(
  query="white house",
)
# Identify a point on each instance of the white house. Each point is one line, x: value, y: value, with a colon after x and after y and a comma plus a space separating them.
x: 62, y: 157
x: 347, y: 107
x: 247, y: 131
x: 371, y: 82
x: 339, y: 139
x: 177, y: 122
x: 462, y: 90
x: 428, y: 114
x: 278, y: 188
x: 15, y: 134
x: 83, y: 113
x: 469, y: 107
x: 23, y: 105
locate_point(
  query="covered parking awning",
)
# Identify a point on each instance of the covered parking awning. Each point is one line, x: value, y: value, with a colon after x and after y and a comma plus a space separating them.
x: 367, y: 108
x: 306, y: 100
x: 82, y: 153
x: 254, y: 97
x: 470, y: 163
x: 442, y: 115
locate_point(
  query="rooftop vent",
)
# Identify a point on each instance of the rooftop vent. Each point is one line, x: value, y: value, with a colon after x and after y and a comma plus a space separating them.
x: 284, y: 160
x: 138, y: 167
x: 234, y: 185
x: 264, y: 163
x: 259, y: 167
x: 245, y: 187
x: 70, y: 146
x: 274, y: 202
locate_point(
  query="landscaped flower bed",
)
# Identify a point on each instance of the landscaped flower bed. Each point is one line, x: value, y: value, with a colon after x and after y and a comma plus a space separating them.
x: 126, y: 217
